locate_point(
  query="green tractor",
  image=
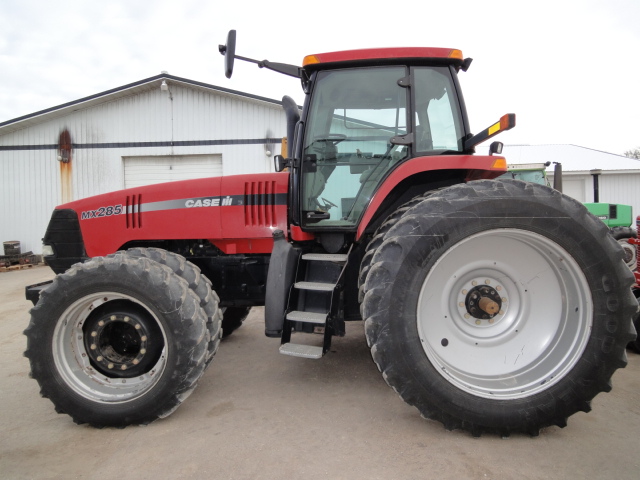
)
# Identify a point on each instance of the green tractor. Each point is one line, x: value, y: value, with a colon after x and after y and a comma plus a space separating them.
x: 617, y: 217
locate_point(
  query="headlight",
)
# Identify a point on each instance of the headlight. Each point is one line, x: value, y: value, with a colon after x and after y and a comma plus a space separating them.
x: 47, y: 250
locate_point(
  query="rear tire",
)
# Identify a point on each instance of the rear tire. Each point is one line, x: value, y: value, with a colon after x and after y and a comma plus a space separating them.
x: 554, y: 330
x: 233, y: 318
x: 117, y: 341
x: 378, y: 238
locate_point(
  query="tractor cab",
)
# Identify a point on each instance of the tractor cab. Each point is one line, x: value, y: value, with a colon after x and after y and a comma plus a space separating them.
x: 361, y: 122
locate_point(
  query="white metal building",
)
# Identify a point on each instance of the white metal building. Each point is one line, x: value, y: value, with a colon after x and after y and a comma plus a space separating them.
x: 619, y: 176
x: 158, y: 129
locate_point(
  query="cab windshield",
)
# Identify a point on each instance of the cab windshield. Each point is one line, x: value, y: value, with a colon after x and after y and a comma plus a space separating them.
x: 353, y: 116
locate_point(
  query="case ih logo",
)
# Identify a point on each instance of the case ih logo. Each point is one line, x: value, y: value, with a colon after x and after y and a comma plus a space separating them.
x: 209, y: 202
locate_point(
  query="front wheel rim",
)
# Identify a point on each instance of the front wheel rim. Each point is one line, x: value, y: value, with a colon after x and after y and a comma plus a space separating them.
x: 536, y: 320
x: 86, y: 374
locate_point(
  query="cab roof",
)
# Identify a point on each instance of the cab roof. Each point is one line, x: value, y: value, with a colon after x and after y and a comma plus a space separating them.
x: 383, y: 55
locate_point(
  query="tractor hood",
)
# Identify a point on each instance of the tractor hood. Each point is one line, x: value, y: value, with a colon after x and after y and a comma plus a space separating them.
x: 236, y: 213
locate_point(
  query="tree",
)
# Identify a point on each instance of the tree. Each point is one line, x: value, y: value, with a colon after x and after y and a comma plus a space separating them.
x: 635, y: 153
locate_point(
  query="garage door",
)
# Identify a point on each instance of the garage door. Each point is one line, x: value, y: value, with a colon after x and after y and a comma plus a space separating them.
x: 139, y: 171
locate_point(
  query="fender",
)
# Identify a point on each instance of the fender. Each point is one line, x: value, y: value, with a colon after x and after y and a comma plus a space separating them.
x: 478, y: 167
x: 237, y: 213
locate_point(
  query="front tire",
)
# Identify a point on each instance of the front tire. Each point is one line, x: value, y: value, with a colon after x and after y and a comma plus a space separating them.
x: 498, y: 306
x: 117, y: 341
x: 233, y: 318
x: 198, y: 283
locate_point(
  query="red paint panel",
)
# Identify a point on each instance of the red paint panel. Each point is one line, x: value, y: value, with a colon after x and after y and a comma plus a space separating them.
x: 384, y: 53
x: 209, y: 208
x: 477, y: 166
x: 247, y: 228
x: 298, y: 235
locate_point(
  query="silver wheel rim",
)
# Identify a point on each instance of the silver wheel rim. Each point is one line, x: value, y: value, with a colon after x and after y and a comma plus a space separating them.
x: 543, y: 324
x: 73, y: 363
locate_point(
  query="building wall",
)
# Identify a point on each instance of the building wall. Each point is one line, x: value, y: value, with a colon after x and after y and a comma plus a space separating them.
x: 103, y: 134
x: 614, y: 187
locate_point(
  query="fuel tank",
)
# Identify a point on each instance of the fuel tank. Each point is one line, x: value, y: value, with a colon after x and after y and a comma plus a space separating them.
x: 236, y: 213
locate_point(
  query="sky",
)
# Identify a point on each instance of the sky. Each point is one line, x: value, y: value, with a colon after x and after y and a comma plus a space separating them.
x: 568, y: 69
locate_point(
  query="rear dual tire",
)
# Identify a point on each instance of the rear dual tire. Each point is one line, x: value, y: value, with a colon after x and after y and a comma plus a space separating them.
x: 562, y: 301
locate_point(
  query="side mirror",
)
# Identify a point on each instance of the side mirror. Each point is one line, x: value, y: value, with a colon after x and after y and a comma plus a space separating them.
x: 280, y: 163
x: 496, y: 147
x: 229, y: 52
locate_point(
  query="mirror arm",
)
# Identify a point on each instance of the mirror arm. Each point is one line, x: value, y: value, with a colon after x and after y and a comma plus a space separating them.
x: 507, y: 122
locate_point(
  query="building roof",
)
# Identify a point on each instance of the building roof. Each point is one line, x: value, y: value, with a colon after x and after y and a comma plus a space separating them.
x: 574, y: 159
x: 115, y: 93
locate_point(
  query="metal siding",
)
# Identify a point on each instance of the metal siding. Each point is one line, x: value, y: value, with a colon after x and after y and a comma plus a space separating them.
x: 34, y: 186
x: 619, y: 188
x: 622, y: 188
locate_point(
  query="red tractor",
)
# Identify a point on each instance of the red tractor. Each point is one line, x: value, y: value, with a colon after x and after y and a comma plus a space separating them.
x: 490, y: 305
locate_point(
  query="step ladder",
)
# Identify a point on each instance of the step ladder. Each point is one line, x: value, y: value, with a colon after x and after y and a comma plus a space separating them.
x: 314, y: 304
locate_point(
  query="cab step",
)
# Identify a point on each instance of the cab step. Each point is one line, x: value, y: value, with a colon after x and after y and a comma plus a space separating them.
x: 309, y: 317
x: 326, y: 257
x: 303, y: 351
x: 314, y: 304
x: 316, y: 286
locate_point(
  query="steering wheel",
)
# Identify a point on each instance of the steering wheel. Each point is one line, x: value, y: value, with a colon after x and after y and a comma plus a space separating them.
x: 328, y: 202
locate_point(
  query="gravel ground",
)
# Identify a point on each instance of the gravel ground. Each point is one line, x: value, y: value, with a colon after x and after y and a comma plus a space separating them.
x: 260, y: 415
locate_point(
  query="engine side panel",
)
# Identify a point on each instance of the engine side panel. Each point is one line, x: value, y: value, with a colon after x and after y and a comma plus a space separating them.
x: 235, y: 213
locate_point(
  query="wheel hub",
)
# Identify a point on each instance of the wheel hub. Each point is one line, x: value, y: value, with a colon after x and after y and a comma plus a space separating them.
x: 481, y: 301
x: 121, y: 344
